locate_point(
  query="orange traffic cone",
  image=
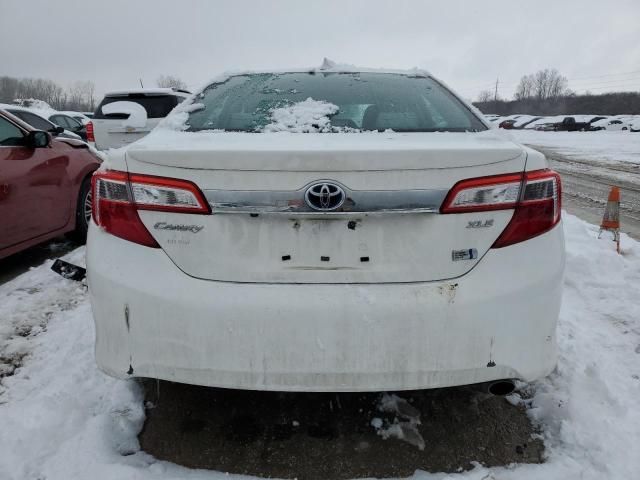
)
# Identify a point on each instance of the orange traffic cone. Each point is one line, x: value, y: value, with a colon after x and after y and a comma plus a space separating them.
x: 611, y: 218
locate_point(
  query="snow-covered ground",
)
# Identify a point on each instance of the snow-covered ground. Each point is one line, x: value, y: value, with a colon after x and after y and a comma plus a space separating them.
x: 60, y: 418
x: 600, y: 146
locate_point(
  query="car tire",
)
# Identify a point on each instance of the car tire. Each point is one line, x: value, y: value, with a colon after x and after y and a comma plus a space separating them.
x: 83, y: 211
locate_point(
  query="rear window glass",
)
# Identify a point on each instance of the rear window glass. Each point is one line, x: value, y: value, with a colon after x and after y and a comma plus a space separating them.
x: 365, y: 101
x: 34, y: 120
x: 157, y: 106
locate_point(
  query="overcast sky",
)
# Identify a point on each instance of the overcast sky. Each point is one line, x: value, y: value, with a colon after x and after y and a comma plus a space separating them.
x: 468, y: 44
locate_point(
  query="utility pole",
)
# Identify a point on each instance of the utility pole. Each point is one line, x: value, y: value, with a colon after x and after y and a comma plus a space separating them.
x: 143, y: 85
x: 495, y: 95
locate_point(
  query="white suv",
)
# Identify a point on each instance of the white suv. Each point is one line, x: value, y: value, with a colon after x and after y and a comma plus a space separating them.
x: 326, y: 230
x: 126, y: 116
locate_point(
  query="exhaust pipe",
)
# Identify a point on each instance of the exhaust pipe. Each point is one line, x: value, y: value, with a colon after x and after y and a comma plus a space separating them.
x: 499, y: 388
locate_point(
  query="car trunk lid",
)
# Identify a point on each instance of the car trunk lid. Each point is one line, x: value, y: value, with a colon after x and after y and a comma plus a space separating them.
x: 262, y: 230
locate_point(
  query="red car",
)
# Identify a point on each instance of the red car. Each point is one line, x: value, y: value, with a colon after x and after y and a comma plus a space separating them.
x: 45, y: 186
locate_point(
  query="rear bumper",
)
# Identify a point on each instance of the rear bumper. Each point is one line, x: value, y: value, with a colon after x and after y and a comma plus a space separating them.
x: 496, y: 322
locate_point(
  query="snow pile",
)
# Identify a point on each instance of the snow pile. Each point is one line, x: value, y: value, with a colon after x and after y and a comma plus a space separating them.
x: 588, y: 409
x: 33, y: 103
x: 308, y: 116
x: 63, y: 419
x: 404, y: 425
x: 26, y: 305
x: 178, y: 117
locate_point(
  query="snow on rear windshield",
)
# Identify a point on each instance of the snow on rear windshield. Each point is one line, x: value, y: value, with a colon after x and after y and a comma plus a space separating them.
x: 359, y: 102
x: 302, y: 117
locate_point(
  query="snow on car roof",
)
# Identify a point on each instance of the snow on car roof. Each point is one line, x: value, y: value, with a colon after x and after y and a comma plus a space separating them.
x: 150, y: 91
x: 522, y: 119
x: 327, y: 66
x: 37, y: 111
x: 71, y: 113
x: 41, y: 112
x: 583, y: 118
x: 543, y: 120
x: 32, y: 103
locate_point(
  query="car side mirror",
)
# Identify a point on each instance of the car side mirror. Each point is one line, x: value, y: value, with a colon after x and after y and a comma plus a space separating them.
x: 38, y: 139
x: 56, y: 130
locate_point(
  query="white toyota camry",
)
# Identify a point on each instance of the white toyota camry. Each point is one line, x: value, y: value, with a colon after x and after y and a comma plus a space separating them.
x: 330, y: 229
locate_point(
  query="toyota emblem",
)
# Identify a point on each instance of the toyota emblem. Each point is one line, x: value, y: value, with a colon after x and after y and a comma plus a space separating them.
x: 324, y: 196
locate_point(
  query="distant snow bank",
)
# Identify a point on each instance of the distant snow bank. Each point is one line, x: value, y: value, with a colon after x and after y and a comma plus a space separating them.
x: 603, y: 146
x: 63, y: 419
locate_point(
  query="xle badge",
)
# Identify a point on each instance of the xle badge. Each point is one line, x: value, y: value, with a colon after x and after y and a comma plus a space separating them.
x: 480, y: 223
x: 468, y: 254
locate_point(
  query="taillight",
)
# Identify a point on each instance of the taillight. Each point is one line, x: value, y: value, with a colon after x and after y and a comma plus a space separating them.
x: 538, y: 210
x: 167, y: 194
x: 90, y: 136
x: 498, y: 192
x: 534, y: 196
x: 117, y: 197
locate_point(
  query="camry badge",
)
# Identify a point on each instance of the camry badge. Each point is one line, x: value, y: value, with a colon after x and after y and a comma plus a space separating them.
x: 179, y: 228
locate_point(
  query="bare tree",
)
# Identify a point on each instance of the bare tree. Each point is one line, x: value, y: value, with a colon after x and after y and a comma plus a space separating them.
x: 549, y: 84
x: 170, y: 81
x: 90, y: 92
x: 76, y: 96
x: 485, y: 96
x: 524, y: 90
x: 8, y: 89
x: 81, y: 96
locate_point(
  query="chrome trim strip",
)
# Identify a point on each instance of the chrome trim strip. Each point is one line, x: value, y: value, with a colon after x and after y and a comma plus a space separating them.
x: 293, y: 201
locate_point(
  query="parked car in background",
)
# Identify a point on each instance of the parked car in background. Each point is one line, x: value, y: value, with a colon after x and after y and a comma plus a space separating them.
x: 81, y: 117
x: 70, y: 124
x: 331, y: 260
x: 516, y: 121
x: 126, y: 116
x: 612, y: 124
x: 525, y: 120
x: 36, y: 118
x: 546, y: 127
x: 44, y: 185
x: 576, y: 123
x: 89, y: 115
x: 507, y: 124
x: 570, y: 124
x: 536, y: 123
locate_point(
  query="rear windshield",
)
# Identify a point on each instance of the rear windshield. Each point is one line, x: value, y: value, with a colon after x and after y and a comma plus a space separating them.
x: 157, y: 106
x: 34, y: 120
x: 364, y: 101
